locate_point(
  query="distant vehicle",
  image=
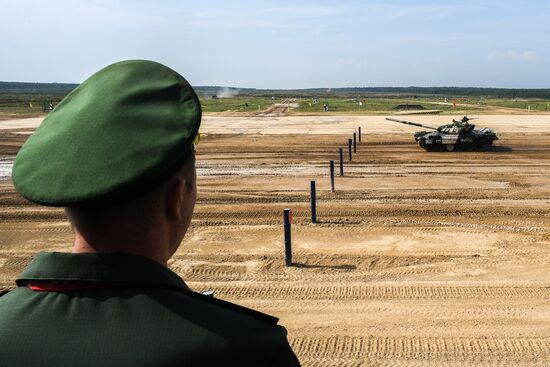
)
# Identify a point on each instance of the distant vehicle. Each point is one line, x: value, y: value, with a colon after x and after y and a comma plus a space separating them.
x: 457, y: 136
x: 47, y: 106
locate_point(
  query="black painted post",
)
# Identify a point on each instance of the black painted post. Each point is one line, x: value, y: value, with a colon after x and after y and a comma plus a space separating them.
x: 287, y: 220
x: 341, y: 154
x: 354, y: 143
x: 349, y: 149
x: 331, y: 169
x: 312, y: 199
x: 359, y: 134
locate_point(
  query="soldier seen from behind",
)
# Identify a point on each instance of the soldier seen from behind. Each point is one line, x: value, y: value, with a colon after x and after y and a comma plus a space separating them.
x: 118, y: 154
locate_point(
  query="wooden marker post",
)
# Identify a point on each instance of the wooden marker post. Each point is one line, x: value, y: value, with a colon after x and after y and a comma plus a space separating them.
x: 312, y: 199
x: 287, y: 221
x: 349, y: 149
x: 354, y: 143
x: 359, y: 134
x: 331, y: 171
x: 341, y: 156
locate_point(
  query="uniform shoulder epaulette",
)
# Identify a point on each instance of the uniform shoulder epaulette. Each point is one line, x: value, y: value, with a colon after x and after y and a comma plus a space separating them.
x: 210, y: 299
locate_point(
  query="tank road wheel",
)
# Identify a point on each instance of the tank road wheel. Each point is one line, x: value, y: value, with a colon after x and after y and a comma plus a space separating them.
x: 449, y: 147
x: 430, y: 147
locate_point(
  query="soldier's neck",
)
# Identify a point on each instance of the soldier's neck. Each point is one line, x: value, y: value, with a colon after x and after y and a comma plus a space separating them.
x: 151, y: 248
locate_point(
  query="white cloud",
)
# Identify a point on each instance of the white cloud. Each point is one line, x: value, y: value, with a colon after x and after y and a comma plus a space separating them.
x: 530, y: 56
x: 512, y: 56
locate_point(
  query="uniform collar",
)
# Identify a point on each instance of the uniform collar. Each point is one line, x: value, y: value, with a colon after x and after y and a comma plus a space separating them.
x: 117, y: 267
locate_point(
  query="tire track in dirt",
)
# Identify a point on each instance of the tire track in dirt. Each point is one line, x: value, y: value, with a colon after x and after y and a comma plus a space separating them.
x: 319, y: 267
x: 347, y: 271
x: 233, y: 197
x: 475, y: 361
x: 411, y: 310
x: 339, y: 291
x: 459, y: 349
x: 324, y: 219
x: 50, y: 229
x: 274, y: 218
x: 312, y: 266
x: 377, y: 212
x: 13, y: 265
x: 213, y: 274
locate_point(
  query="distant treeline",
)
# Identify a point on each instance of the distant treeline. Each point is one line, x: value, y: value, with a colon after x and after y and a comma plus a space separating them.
x: 37, y: 88
x: 450, y: 92
x: 387, y: 92
x: 208, y: 91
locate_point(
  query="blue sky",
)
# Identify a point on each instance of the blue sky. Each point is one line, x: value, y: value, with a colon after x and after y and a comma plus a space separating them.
x: 284, y: 44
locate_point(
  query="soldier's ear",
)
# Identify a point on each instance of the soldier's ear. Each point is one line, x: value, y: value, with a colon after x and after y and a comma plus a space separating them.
x: 174, y: 196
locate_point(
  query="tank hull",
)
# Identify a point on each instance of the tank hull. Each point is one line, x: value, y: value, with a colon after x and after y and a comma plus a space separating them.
x: 437, y: 141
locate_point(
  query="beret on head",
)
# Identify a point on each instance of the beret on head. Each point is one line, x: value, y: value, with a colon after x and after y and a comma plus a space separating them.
x: 122, y: 133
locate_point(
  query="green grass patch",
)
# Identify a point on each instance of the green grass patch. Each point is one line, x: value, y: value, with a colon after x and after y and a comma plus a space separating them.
x: 19, y: 105
x: 237, y: 104
x: 26, y: 105
x: 373, y: 105
x: 539, y: 105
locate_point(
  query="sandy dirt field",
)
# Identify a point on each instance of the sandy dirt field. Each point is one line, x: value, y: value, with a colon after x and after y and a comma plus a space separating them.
x: 417, y: 259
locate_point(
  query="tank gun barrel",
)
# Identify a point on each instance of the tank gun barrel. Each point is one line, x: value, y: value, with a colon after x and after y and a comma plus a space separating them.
x: 411, y: 123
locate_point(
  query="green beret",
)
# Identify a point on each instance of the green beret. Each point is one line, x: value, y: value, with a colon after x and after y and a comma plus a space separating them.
x: 123, y: 132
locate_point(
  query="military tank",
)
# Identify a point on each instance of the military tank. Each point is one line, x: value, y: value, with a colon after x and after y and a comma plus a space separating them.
x: 457, y: 136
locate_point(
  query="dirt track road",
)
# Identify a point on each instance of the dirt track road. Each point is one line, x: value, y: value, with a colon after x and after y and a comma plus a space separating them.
x: 273, y: 122
x: 418, y: 259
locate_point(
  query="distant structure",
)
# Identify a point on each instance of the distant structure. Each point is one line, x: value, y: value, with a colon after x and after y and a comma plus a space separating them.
x: 47, y: 106
x: 407, y: 107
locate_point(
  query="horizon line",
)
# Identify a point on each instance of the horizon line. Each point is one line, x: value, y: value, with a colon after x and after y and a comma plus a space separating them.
x: 309, y: 88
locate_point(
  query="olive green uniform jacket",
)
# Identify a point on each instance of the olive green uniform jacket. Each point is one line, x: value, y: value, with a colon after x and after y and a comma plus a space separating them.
x: 128, y: 311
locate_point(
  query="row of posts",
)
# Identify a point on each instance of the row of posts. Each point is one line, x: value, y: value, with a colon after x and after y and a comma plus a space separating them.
x: 287, y: 213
